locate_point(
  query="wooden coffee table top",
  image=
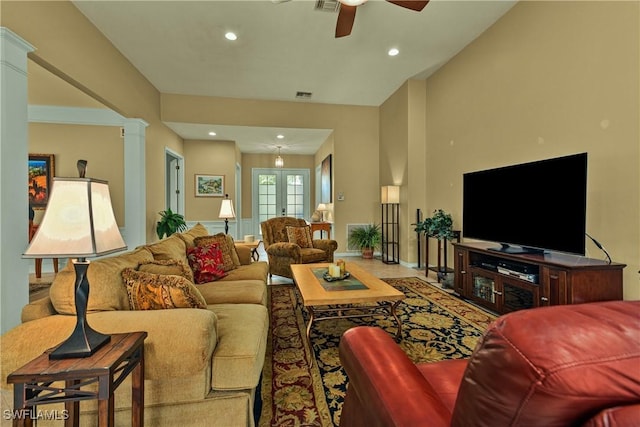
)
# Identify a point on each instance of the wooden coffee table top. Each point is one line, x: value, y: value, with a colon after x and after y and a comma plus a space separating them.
x: 314, y: 294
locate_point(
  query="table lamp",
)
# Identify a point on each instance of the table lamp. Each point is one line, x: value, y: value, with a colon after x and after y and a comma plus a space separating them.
x: 226, y: 212
x: 78, y: 223
x: 322, y: 208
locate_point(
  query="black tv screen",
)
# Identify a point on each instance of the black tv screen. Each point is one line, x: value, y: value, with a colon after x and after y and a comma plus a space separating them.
x: 535, y: 206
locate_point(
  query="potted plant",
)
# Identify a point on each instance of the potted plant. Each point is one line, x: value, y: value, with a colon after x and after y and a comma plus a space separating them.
x: 170, y: 222
x: 440, y: 226
x: 367, y: 238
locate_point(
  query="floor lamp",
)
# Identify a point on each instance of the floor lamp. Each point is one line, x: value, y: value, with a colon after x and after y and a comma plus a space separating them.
x: 390, y: 200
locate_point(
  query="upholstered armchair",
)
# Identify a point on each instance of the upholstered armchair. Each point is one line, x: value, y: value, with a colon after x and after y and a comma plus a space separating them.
x: 283, y: 251
x: 568, y: 365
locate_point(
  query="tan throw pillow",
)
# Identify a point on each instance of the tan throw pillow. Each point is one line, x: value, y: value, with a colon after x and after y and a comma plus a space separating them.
x: 197, y: 231
x: 167, y: 266
x: 221, y: 240
x: 148, y: 291
x: 301, y: 236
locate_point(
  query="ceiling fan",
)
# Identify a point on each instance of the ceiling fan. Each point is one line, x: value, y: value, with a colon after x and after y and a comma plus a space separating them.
x: 347, y: 13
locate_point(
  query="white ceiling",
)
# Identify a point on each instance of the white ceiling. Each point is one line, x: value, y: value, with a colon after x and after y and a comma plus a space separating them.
x: 282, y: 48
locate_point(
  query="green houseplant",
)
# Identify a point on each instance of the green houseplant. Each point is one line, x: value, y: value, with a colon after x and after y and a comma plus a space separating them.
x: 170, y: 222
x: 366, y: 238
x: 440, y: 226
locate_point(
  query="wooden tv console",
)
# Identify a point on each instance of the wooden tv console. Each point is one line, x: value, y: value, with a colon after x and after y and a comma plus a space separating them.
x: 504, y: 282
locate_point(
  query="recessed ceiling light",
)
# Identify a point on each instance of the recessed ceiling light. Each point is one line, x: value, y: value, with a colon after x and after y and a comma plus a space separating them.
x: 280, y: 136
x: 230, y: 36
x: 212, y: 133
x: 393, y: 51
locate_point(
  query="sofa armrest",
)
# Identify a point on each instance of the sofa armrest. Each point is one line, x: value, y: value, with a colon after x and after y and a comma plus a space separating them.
x: 326, y: 245
x: 284, y: 249
x: 179, y: 343
x: 38, y: 309
x: 244, y: 254
x: 371, y: 357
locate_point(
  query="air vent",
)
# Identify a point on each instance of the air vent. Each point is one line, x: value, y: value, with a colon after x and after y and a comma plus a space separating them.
x: 327, y: 5
x: 303, y: 95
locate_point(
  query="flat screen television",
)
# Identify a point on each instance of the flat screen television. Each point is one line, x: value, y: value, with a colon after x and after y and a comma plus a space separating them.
x: 530, y: 207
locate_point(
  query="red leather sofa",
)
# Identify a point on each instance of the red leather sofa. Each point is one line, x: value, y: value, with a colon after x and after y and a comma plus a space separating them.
x: 571, y: 365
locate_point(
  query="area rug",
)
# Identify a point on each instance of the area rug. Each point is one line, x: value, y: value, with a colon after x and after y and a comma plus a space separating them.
x: 436, y: 326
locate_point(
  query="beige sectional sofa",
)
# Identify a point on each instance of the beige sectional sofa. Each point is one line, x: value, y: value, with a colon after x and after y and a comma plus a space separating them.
x: 202, y: 366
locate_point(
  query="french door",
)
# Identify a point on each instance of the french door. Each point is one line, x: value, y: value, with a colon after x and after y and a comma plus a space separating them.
x: 279, y: 192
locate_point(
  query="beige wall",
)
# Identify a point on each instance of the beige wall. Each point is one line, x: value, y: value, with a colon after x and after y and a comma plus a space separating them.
x: 355, y: 143
x: 207, y: 158
x: 101, y: 146
x: 548, y: 79
x: 83, y: 57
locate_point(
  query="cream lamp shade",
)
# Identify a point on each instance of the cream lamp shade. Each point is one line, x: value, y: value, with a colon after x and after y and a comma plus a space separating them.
x: 226, y: 209
x: 390, y: 194
x: 226, y: 212
x: 78, y: 222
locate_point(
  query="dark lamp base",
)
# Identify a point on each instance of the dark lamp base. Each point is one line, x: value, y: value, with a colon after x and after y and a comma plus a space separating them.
x: 83, y: 341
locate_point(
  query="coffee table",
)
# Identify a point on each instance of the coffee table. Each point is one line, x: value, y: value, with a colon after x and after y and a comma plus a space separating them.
x: 363, y: 297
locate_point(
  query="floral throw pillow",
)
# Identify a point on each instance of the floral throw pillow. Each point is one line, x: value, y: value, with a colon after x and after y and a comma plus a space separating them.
x: 149, y: 291
x: 221, y: 240
x: 206, y: 263
x: 301, y: 236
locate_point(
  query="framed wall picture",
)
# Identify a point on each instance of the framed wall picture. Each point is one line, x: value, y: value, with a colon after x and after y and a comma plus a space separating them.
x: 41, y: 173
x: 325, y: 180
x: 209, y: 185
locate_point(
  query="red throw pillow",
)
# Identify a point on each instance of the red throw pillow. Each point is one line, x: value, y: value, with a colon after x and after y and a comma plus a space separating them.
x: 206, y: 263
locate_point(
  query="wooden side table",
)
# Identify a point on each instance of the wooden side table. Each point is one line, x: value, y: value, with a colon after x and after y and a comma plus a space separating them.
x: 321, y: 226
x: 109, y: 366
x: 253, y: 246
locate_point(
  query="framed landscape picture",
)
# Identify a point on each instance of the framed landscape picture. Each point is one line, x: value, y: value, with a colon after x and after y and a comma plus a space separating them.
x: 41, y: 172
x: 209, y: 185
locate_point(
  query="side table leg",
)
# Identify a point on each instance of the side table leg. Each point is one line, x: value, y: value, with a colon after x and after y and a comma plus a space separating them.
x: 23, y: 417
x: 72, y: 408
x: 137, y: 393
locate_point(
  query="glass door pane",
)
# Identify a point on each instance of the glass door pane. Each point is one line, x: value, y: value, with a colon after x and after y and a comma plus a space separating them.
x: 278, y: 192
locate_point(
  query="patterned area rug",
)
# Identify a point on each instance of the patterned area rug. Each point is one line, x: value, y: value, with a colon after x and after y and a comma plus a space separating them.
x: 436, y: 326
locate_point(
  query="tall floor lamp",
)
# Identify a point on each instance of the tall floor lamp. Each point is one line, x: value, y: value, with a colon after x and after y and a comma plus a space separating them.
x: 226, y: 212
x: 390, y: 199
x: 78, y: 223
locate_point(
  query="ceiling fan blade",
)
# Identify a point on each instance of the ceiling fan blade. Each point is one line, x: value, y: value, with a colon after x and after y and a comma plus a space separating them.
x: 346, y: 17
x: 410, y: 4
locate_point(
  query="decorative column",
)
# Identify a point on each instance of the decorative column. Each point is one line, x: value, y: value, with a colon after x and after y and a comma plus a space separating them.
x: 135, y: 185
x: 14, y: 152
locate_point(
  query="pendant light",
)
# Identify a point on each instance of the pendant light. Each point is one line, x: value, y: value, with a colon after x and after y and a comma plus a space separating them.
x: 279, y: 160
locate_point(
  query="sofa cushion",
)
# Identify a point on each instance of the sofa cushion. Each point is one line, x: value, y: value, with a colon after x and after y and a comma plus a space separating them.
x: 173, y: 247
x: 206, y: 263
x: 310, y: 255
x: 167, y: 266
x: 234, y: 292
x: 301, y: 236
x: 106, y: 287
x: 239, y: 356
x: 196, y: 231
x: 253, y: 271
x: 148, y: 291
x: 221, y: 240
